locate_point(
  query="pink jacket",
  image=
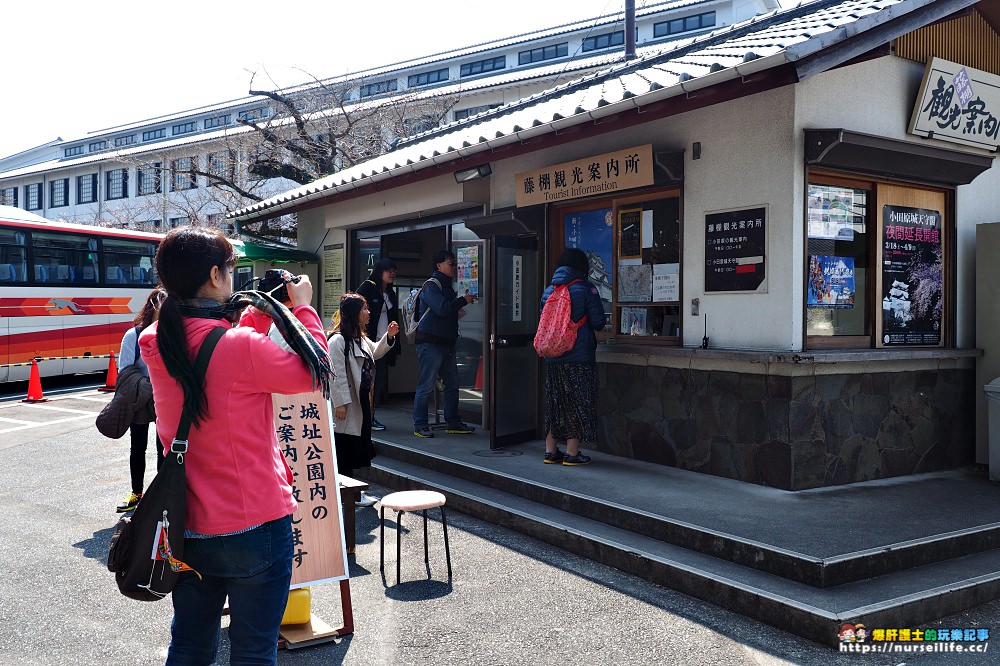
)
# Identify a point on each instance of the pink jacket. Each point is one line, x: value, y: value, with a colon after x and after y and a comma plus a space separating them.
x: 236, y: 474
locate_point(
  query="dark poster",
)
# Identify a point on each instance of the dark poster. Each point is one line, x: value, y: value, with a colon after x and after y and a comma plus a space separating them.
x: 734, y: 250
x: 911, y: 276
x: 630, y: 233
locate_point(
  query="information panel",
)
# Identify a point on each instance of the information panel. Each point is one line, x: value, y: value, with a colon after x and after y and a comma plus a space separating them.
x: 735, y: 243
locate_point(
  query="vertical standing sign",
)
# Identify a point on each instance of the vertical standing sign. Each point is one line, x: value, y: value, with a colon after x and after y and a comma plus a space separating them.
x: 912, y: 295
x: 302, y: 423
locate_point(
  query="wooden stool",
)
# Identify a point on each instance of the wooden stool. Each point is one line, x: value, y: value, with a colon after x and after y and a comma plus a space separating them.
x: 410, y: 501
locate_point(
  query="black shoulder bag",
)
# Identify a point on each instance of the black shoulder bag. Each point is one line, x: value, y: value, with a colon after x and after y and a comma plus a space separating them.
x: 147, y: 548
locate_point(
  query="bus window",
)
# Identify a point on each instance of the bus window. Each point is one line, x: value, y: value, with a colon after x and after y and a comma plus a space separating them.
x: 12, y: 256
x: 60, y: 257
x: 129, y: 261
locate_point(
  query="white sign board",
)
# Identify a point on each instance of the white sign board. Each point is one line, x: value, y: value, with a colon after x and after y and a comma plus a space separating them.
x: 958, y: 104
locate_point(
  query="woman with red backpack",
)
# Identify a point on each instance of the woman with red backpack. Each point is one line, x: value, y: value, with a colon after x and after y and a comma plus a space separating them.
x: 571, y: 379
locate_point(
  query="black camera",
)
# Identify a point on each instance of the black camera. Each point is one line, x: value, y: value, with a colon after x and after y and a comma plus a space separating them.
x: 274, y: 277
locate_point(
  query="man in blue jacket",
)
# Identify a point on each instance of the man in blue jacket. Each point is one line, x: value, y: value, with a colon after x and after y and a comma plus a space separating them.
x: 435, y: 342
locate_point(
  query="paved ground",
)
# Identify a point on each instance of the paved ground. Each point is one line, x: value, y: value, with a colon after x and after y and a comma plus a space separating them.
x: 512, y: 600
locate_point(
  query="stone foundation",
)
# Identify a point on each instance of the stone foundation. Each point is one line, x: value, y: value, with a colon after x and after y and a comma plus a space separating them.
x: 791, y: 426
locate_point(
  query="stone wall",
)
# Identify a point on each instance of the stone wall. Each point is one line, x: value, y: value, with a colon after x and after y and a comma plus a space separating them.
x: 790, y: 432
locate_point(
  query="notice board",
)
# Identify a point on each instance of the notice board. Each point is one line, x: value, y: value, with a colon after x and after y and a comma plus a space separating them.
x: 735, y: 244
x: 303, y: 425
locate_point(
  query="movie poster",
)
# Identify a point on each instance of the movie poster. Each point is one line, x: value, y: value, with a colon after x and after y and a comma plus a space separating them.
x: 912, y: 294
x: 831, y: 282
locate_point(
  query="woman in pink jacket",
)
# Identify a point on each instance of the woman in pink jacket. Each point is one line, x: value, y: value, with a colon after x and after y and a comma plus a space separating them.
x: 239, y: 488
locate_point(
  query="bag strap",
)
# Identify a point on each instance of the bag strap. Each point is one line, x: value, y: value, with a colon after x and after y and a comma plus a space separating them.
x: 200, y: 368
x: 136, y: 359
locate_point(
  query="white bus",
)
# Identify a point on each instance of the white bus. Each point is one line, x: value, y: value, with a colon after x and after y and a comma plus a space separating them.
x: 68, y: 292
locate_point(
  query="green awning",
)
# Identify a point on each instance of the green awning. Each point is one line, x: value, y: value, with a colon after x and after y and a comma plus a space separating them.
x: 274, y: 254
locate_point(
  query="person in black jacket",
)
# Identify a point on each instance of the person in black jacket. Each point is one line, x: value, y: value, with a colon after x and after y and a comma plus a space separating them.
x: 435, y: 344
x: 384, y: 307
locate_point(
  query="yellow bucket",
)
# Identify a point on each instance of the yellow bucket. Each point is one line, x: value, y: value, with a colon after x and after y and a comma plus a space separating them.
x: 298, y: 610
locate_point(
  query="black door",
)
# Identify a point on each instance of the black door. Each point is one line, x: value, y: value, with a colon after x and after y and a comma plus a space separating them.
x: 513, y: 363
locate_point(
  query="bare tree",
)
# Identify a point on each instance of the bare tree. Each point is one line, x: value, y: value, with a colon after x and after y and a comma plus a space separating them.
x: 296, y: 136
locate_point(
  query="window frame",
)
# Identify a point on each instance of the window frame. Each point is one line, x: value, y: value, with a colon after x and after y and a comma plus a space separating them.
x: 73, y: 152
x: 63, y: 191
x: 34, y: 190
x: 93, y: 188
x: 483, y: 66
x: 149, y: 179
x: 541, y: 53
x: 873, y: 186
x: 114, y: 185
x: 603, y: 41
x: 428, y: 78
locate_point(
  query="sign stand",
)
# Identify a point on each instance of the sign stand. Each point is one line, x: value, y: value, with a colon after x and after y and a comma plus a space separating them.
x: 316, y: 631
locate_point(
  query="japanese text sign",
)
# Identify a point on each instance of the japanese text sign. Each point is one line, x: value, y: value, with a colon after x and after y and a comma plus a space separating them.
x: 589, y: 176
x: 958, y: 104
x: 302, y: 423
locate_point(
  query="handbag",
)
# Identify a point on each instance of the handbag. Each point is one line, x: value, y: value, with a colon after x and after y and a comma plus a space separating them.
x: 147, y: 548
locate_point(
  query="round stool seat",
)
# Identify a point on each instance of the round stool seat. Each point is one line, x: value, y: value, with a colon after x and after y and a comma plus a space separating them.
x: 412, y: 500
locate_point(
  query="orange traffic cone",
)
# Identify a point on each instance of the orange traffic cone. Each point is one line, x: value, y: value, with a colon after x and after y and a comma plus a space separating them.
x: 479, y: 376
x: 109, y: 385
x: 35, y: 385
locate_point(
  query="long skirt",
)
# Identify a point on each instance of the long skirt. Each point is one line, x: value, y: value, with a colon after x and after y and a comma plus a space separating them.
x: 356, y: 451
x: 571, y: 401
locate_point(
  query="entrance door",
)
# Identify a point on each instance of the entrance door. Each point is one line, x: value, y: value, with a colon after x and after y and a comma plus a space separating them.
x: 513, y: 363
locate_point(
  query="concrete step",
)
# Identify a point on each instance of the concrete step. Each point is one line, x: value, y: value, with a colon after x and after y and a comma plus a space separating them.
x: 906, y: 598
x: 829, y: 571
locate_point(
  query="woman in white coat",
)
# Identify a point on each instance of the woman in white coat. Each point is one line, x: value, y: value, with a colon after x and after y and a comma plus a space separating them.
x: 354, y: 356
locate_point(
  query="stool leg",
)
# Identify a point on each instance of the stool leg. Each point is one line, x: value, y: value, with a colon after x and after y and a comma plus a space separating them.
x: 381, y: 541
x: 447, y: 552
x: 399, y: 528
x: 427, y: 558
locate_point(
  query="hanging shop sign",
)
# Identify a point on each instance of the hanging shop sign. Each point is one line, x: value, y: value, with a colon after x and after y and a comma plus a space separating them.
x: 912, y: 295
x: 735, y: 243
x: 958, y: 104
x: 590, y: 176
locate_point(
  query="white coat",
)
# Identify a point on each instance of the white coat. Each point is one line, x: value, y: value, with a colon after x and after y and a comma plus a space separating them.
x: 347, y: 378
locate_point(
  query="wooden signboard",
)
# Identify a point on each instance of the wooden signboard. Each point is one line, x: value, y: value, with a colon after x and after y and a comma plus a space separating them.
x: 303, y: 424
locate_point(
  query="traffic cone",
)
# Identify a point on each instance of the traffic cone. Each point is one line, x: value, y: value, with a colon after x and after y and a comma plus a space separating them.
x: 479, y: 376
x: 109, y: 385
x: 35, y: 385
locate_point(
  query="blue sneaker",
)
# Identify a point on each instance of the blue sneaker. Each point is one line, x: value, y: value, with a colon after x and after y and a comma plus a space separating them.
x: 460, y: 429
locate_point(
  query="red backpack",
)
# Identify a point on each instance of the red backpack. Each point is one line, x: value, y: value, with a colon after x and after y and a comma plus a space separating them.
x: 557, y: 331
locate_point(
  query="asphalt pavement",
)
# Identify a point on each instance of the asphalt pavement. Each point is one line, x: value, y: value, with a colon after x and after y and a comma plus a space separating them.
x: 511, y: 600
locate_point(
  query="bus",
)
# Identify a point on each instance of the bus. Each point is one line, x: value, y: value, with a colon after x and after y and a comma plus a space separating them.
x: 68, y: 292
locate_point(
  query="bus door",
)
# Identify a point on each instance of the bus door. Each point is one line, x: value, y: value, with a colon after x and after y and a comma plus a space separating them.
x: 513, y: 376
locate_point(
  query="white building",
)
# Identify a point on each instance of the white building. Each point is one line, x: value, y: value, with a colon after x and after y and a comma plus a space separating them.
x: 135, y: 175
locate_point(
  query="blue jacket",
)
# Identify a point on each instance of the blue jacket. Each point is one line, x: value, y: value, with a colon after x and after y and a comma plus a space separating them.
x: 586, y: 303
x: 440, y: 326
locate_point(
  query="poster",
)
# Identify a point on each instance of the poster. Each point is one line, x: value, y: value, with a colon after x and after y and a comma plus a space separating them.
x: 467, y: 270
x: 593, y: 232
x: 635, y: 282
x: 912, y: 294
x: 333, y: 279
x: 735, y: 244
x: 831, y: 212
x: 634, y: 321
x: 831, y: 282
x: 303, y: 425
x: 630, y: 225
x: 666, y: 282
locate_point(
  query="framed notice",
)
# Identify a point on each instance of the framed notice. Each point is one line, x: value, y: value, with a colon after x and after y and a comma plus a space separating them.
x: 333, y: 279
x: 630, y: 225
x: 735, y: 250
x: 303, y: 425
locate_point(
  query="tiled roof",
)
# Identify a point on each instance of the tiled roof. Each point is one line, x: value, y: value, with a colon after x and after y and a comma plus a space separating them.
x: 764, y: 42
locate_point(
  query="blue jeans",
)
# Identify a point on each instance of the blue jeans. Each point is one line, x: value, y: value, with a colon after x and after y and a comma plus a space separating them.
x: 435, y: 360
x: 254, y: 570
